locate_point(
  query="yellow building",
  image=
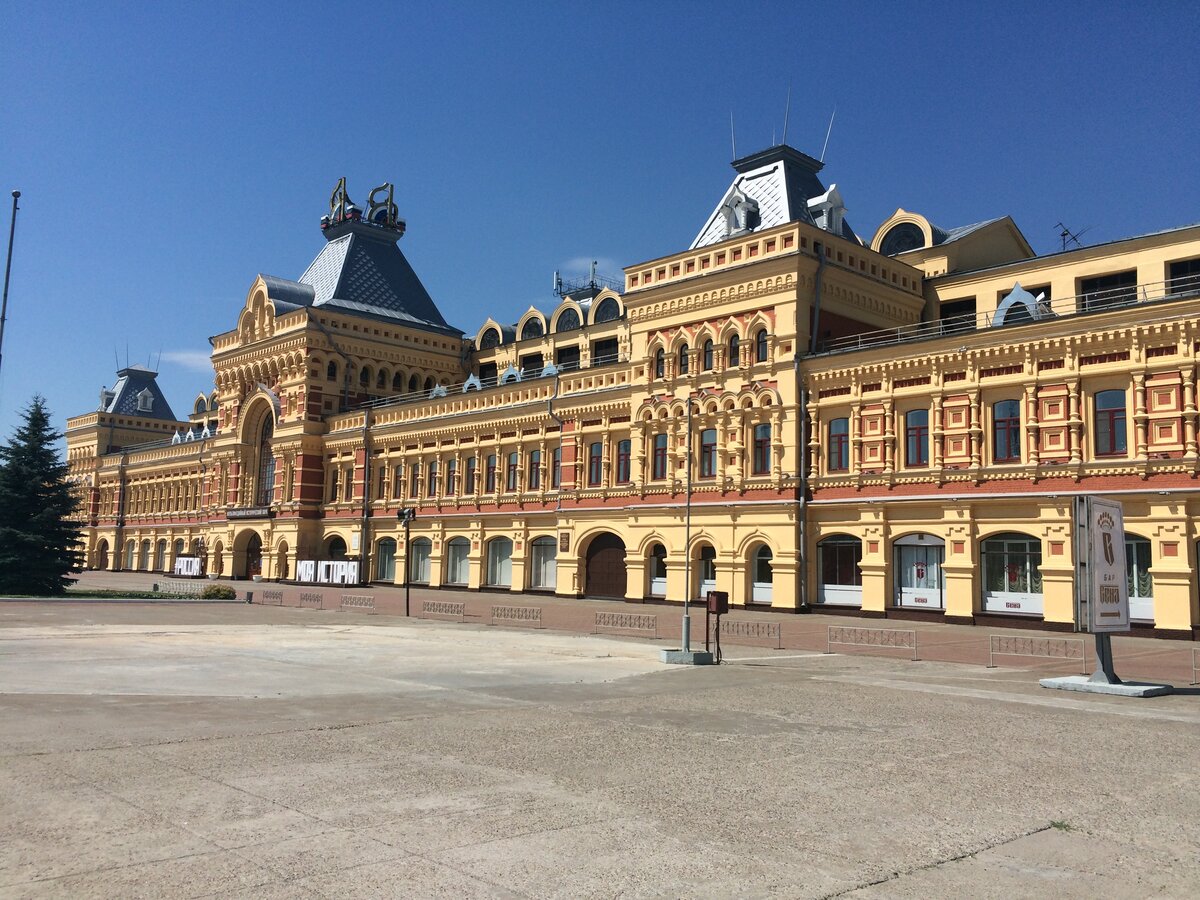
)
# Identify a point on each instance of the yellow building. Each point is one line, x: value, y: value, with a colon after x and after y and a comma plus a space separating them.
x: 786, y: 411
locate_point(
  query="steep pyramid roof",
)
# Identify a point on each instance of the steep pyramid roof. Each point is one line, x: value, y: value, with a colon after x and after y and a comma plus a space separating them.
x: 136, y: 393
x: 361, y: 271
x: 778, y: 182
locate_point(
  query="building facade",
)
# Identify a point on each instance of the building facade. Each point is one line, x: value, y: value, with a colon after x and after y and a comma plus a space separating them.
x: 788, y: 411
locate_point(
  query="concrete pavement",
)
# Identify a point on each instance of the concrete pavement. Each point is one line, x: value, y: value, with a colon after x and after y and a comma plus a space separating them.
x: 226, y: 750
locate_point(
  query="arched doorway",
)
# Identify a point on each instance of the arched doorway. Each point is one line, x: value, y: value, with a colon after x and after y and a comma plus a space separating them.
x: 253, y: 555
x: 218, y: 564
x: 917, y: 561
x: 1012, y: 574
x: 543, y: 565
x: 281, y: 561
x: 176, y: 551
x: 102, y: 555
x: 499, y: 562
x: 335, y: 548
x: 160, y: 555
x: 420, y: 550
x: 144, y: 555
x: 458, y: 562
x: 604, y: 572
x: 130, y: 554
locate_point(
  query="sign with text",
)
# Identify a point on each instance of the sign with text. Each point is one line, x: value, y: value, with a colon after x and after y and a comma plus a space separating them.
x: 1103, y: 605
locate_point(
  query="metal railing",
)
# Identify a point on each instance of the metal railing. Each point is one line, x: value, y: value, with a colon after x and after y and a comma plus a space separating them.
x: 312, y: 599
x: 889, y: 638
x: 1195, y: 666
x: 449, y: 609
x: 274, y: 597
x: 358, y: 601
x: 1055, y: 308
x: 636, y: 622
x: 1069, y: 649
x: 517, y: 615
x: 736, y: 632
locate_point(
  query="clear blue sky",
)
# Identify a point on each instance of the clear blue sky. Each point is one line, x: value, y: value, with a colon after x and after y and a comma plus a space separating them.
x: 167, y: 153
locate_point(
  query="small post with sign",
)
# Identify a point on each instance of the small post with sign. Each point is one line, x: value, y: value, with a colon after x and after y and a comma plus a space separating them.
x: 406, y: 515
x: 716, y: 604
x: 1102, y: 597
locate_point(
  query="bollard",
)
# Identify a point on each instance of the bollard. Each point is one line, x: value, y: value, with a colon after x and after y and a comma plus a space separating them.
x: 249, y: 596
x: 154, y: 588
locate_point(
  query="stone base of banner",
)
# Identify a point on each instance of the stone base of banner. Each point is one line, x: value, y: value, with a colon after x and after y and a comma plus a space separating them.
x: 1084, y: 684
x: 686, y: 657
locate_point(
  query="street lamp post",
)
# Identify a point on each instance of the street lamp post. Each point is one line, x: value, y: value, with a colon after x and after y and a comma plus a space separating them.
x: 12, y: 228
x: 406, y: 516
x: 687, y: 537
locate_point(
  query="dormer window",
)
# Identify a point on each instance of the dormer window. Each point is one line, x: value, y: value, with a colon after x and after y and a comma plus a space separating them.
x: 145, y: 401
x: 106, y: 398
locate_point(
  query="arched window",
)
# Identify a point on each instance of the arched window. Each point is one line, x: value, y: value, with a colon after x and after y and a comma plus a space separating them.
x: 568, y: 320
x: 458, y: 565
x: 916, y: 438
x: 418, y: 563
x: 658, y: 570
x: 760, y: 587
x: 1110, y: 423
x: 336, y: 548
x: 398, y: 381
x: 760, y: 346
x: 706, y: 570
x: 659, y: 457
x: 840, y: 578
x: 607, y: 311
x: 130, y: 551
x: 201, y: 406
x: 532, y: 329
x: 414, y: 383
x: 266, y: 463
x: 839, y: 445
x: 331, y: 371
x: 735, y: 352
x: 543, y: 566
x: 429, y: 383
x: 1006, y: 431
x: 1012, y: 577
x: 385, y: 560
x: 683, y: 359
x: 499, y: 562
x: 489, y: 339
x: 1141, y: 583
x: 708, y: 453
x: 381, y: 379
x: 761, y: 462
x: 513, y: 473
x: 708, y: 356
x: 364, y: 376
x: 660, y: 363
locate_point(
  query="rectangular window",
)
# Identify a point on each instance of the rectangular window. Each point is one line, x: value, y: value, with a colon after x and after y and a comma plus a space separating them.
x: 1184, y: 277
x: 762, y: 450
x: 916, y: 432
x: 335, y: 484
x: 512, y: 479
x: 414, y: 482
x: 1110, y: 423
x: 595, y: 463
x: 567, y: 358
x: 623, y: 453
x: 451, y: 477
x: 839, y: 446
x: 1006, y: 431
x: 556, y: 467
x: 433, y: 467
x: 1108, y: 291
x: 659, y: 466
x: 604, y: 352
x: 490, y: 482
x: 472, y: 465
x: 708, y: 453
x: 535, y: 469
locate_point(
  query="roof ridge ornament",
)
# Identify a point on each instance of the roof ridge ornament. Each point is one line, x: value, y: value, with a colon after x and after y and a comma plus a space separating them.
x: 381, y: 213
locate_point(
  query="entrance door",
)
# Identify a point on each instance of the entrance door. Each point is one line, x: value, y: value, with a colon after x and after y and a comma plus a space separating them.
x: 606, y: 567
x: 919, y: 582
x: 707, y: 571
x: 253, y: 556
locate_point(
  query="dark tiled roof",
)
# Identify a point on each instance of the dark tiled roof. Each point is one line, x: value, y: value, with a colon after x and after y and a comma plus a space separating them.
x: 363, y: 272
x: 131, y: 381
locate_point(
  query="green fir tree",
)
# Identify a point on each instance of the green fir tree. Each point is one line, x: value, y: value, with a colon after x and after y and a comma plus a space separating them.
x: 39, y: 535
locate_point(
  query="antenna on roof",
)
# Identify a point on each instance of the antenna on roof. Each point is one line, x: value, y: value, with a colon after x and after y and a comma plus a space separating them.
x: 786, y: 109
x: 1069, y: 236
x: 732, y: 135
x: 828, y: 132
x: 116, y: 359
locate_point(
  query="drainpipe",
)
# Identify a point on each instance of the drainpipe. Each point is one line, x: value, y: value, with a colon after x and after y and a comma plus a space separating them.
x: 364, y: 536
x: 802, y: 400
x: 121, y: 489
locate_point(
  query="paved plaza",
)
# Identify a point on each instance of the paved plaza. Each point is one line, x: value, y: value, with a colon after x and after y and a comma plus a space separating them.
x: 230, y: 750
